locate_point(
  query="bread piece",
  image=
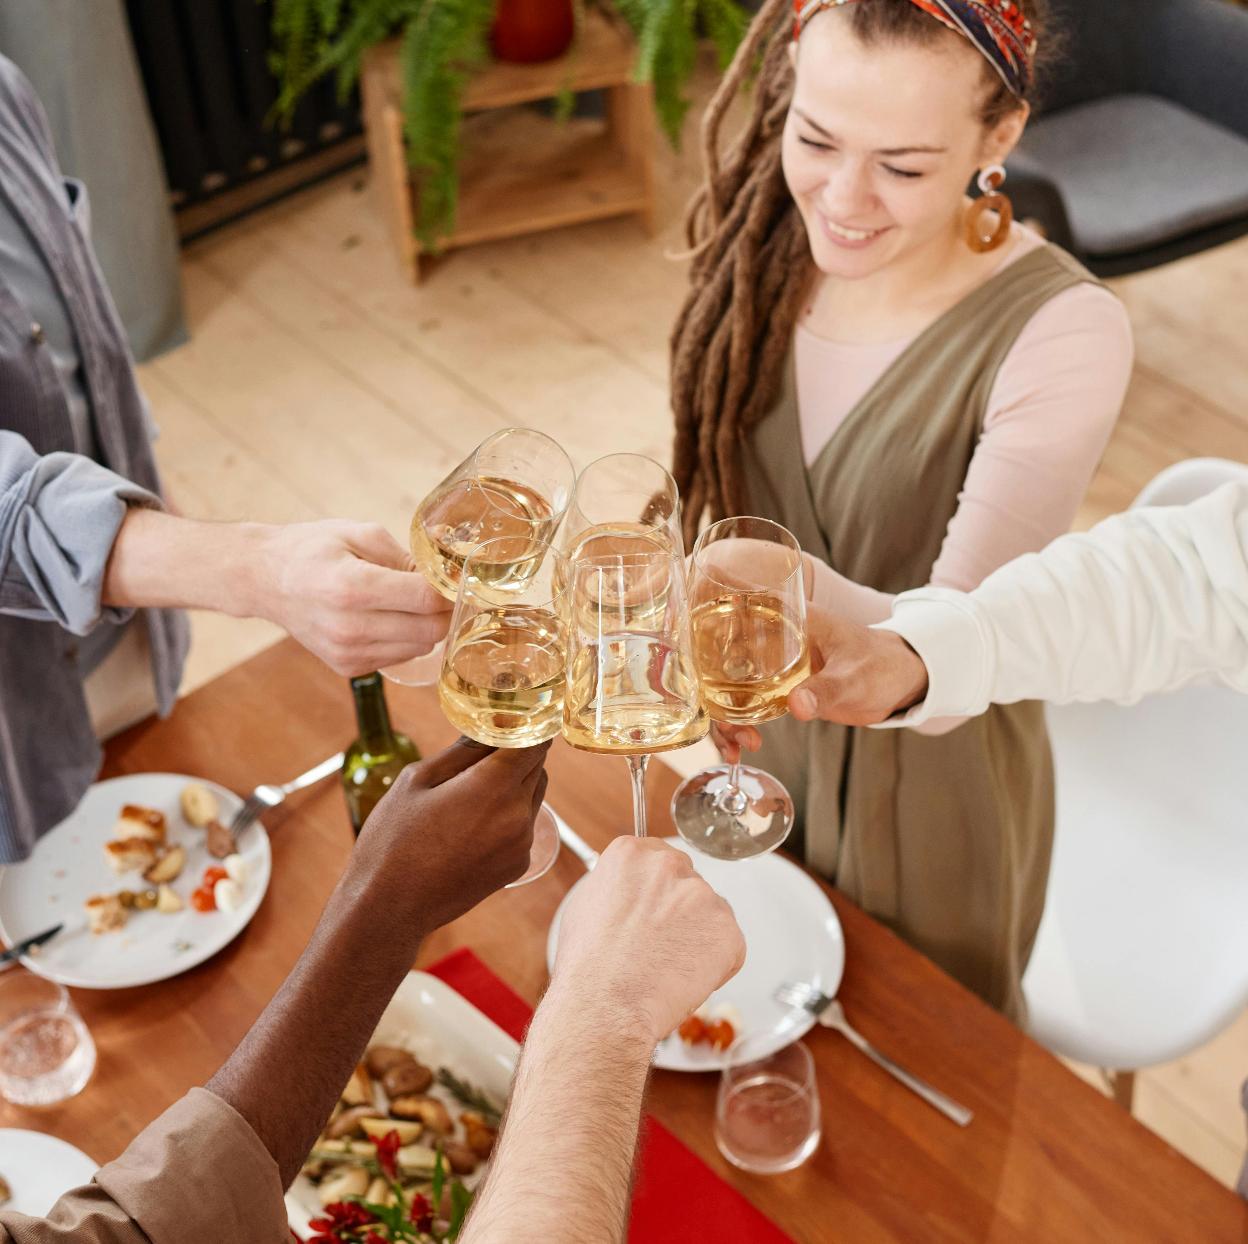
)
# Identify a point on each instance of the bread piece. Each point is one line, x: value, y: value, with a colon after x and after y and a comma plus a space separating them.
x: 134, y: 821
x: 105, y: 914
x: 168, y: 867
x: 199, y: 805
x: 126, y: 854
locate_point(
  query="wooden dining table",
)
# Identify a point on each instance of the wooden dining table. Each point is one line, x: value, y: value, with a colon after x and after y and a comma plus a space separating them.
x: 1046, y: 1158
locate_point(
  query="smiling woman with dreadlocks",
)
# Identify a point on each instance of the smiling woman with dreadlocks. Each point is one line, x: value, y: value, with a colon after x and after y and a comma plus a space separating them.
x: 920, y: 390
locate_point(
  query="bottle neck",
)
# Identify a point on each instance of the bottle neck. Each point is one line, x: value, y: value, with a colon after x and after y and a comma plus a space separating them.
x: 371, y: 713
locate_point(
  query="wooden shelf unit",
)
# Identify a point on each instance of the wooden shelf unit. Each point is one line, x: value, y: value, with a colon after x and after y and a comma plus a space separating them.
x: 521, y: 172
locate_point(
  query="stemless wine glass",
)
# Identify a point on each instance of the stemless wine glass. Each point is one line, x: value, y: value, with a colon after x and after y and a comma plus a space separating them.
x: 505, y: 662
x: 767, y: 1111
x: 516, y: 483
x: 632, y: 685
x: 748, y: 615
x: 619, y: 501
x: 46, y: 1052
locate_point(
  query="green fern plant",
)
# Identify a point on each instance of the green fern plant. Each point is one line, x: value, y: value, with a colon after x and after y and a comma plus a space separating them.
x: 442, y: 41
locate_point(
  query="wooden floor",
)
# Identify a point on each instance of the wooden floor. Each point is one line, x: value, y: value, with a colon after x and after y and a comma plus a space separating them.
x: 318, y: 383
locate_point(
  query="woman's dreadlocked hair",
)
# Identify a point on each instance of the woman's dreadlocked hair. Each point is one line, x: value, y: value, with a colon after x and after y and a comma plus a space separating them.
x: 752, y: 264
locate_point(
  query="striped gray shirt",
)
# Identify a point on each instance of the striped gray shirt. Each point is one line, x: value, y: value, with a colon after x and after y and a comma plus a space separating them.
x: 59, y: 510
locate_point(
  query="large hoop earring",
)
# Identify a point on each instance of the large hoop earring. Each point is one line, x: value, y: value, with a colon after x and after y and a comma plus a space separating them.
x: 991, y: 200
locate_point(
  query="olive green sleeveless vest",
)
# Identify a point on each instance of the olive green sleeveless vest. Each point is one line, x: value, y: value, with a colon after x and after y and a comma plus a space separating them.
x: 945, y: 839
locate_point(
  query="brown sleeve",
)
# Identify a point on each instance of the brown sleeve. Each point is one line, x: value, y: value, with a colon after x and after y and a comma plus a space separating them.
x: 197, y: 1173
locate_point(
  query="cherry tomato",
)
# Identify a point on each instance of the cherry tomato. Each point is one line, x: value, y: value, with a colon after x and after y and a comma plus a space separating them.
x: 692, y: 1030
x: 202, y: 899
x: 720, y: 1034
x: 212, y: 874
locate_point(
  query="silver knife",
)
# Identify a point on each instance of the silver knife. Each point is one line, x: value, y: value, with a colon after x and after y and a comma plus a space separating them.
x: 574, y: 842
x: 28, y: 944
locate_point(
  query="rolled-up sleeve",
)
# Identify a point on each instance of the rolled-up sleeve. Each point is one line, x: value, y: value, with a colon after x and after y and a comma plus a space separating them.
x: 197, y: 1173
x: 59, y: 516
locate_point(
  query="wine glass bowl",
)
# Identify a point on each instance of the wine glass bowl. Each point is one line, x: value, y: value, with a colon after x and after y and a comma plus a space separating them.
x: 513, y: 488
x: 748, y: 619
x: 504, y: 668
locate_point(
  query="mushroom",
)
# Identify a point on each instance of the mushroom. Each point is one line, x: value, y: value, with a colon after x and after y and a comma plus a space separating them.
x: 349, y: 1122
x: 462, y: 1159
x: 220, y: 841
x: 431, y: 1112
x: 381, y: 1058
x: 405, y: 1079
x: 478, y: 1134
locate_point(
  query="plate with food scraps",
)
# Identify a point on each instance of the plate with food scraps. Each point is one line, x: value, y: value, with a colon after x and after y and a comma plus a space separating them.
x: 128, y: 874
x: 36, y: 1170
x: 791, y: 934
x: 434, y: 1079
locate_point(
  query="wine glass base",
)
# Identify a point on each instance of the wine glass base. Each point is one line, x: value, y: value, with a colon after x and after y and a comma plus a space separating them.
x: 544, y: 851
x: 708, y: 826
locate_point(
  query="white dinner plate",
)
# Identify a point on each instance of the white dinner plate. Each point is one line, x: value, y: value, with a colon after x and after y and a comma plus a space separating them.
x: 40, y: 1169
x: 791, y: 934
x: 67, y: 866
x: 428, y: 1017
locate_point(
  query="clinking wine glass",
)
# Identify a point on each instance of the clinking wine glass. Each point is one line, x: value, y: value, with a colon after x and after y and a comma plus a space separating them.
x: 504, y: 666
x: 622, y: 503
x: 514, y: 486
x: 748, y: 618
x: 632, y: 684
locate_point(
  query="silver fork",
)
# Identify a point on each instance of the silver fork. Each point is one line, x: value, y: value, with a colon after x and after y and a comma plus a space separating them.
x: 266, y: 797
x: 831, y: 1014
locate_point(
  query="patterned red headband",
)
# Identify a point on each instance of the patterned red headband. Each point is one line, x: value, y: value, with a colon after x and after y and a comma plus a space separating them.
x: 998, y: 28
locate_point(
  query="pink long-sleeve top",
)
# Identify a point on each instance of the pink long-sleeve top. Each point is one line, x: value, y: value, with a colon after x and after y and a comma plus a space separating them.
x: 1050, y: 414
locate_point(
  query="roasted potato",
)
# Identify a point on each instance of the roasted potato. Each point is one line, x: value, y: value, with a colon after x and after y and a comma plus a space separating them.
x: 478, y: 1134
x: 338, y: 1187
x: 168, y: 867
x: 359, y: 1090
x: 375, y: 1129
x: 405, y: 1079
x: 199, y: 805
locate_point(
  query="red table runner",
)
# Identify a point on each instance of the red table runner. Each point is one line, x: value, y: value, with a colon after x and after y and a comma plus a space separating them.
x: 677, y: 1198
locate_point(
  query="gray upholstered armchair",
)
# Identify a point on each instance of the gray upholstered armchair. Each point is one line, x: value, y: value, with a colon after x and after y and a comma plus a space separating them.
x: 1139, y: 153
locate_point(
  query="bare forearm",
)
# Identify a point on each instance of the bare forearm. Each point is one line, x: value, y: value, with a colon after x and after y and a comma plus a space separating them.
x: 286, y: 1075
x: 163, y: 561
x: 572, y: 1124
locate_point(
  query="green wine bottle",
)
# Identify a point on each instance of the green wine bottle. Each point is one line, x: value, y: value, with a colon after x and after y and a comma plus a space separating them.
x: 377, y: 756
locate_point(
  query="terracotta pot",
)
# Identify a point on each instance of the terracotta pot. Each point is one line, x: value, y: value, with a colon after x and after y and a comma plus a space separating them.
x: 531, y: 30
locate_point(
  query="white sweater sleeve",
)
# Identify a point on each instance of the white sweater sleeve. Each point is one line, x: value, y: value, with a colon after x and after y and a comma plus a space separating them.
x: 1148, y: 601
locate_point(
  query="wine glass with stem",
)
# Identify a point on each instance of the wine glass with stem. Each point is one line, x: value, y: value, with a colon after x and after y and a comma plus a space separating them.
x: 504, y: 665
x: 747, y: 602
x: 632, y: 685
x: 517, y: 483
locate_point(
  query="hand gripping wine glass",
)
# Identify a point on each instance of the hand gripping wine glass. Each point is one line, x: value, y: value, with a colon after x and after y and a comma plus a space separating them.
x: 748, y: 616
x: 516, y: 484
x: 632, y: 686
x: 505, y: 663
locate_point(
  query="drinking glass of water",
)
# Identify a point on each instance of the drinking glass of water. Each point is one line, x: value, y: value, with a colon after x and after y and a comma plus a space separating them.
x: 767, y: 1113
x: 46, y: 1052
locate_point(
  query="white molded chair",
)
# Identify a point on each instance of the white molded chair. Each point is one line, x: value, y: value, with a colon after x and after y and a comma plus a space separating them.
x: 1142, y: 954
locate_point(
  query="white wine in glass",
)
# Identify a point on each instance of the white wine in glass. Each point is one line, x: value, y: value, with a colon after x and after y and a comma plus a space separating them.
x: 632, y: 683
x: 515, y: 486
x: 505, y: 664
x: 748, y: 597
